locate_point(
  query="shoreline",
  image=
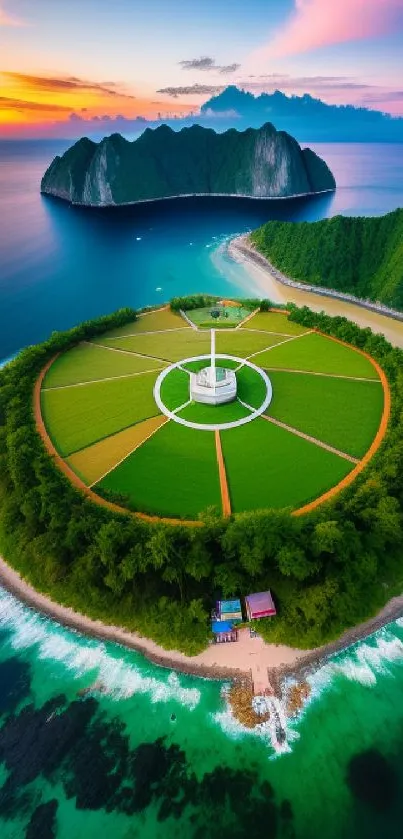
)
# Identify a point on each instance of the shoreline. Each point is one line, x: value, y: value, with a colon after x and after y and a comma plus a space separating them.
x: 242, y: 246
x: 247, y: 659
x: 244, y: 196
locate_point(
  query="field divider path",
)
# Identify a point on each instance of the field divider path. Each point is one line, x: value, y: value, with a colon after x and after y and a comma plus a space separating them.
x: 106, y: 379
x: 248, y: 317
x: 151, y: 332
x: 311, y: 439
x: 190, y: 322
x: 325, y: 375
x: 222, y: 473
x: 181, y: 407
x: 245, y: 405
x: 74, y: 478
x: 164, y: 361
x: 274, y: 346
x: 164, y: 420
x: 272, y: 332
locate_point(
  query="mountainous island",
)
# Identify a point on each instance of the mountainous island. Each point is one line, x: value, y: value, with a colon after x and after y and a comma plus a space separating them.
x: 361, y: 256
x: 162, y: 163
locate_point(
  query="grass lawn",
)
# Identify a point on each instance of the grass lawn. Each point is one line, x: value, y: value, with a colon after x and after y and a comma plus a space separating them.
x: 203, y: 319
x: 244, y: 343
x: 174, y: 473
x: 269, y: 467
x: 175, y: 389
x: 194, y: 366
x: 346, y: 414
x: 151, y: 322
x: 251, y: 387
x: 214, y: 414
x: 77, y: 417
x: 88, y: 362
x: 172, y: 346
x: 274, y: 322
x: 92, y: 463
x: 319, y: 354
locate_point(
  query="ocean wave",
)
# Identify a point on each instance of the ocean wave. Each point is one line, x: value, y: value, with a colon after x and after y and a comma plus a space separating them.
x: 83, y: 657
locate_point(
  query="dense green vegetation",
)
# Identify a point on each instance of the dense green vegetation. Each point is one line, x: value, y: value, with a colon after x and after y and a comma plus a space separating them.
x: 202, y: 301
x: 361, y: 256
x: 163, y: 163
x: 327, y: 570
x: 341, y: 412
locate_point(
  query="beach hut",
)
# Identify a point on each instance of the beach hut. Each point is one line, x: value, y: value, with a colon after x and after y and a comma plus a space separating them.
x: 229, y: 610
x: 223, y: 632
x: 259, y: 605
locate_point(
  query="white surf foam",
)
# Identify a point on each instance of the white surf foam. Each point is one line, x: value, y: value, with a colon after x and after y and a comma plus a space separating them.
x: 82, y: 657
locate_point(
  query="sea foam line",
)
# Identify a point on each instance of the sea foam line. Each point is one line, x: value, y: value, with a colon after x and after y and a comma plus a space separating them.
x: 81, y: 656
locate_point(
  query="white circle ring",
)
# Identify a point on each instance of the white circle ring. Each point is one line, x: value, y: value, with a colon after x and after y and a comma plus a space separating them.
x: 219, y: 426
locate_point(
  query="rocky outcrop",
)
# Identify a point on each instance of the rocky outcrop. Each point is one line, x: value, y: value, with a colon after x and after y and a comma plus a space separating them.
x: 256, y: 163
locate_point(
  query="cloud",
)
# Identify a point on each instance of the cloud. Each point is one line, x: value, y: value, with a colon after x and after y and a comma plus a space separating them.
x: 319, y: 23
x: 192, y: 90
x: 9, y: 20
x: 8, y: 104
x: 207, y: 64
x: 276, y: 81
x: 64, y: 84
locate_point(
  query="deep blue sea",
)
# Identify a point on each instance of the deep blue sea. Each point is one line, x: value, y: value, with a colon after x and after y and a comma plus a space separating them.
x: 60, y: 265
x: 146, y: 753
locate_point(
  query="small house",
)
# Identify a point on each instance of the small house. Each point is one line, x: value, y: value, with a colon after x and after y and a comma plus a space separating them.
x: 259, y: 605
x: 229, y: 610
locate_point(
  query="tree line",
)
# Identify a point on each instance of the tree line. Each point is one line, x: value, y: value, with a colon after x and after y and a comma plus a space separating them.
x: 360, y: 256
x: 327, y: 570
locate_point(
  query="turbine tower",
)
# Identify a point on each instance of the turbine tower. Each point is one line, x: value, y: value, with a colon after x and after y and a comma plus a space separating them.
x: 212, y: 362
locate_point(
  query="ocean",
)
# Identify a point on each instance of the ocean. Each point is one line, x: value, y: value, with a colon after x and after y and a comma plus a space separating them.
x: 95, y: 740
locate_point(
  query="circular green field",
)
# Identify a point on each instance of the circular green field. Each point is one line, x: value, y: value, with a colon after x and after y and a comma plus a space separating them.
x: 99, y: 408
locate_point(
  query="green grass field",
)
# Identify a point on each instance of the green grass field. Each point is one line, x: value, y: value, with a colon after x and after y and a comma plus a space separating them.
x: 319, y: 354
x: 250, y: 387
x: 173, y: 474
x: 175, y: 389
x: 274, y: 322
x: 88, y: 362
x: 150, y: 322
x: 346, y: 414
x: 269, y: 467
x: 202, y: 317
x: 242, y: 343
x: 92, y: 412
x: 172, y: 346
x: 213, y: 414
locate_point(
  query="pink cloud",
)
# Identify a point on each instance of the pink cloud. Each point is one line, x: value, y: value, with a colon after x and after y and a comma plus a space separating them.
x: 318, y: 23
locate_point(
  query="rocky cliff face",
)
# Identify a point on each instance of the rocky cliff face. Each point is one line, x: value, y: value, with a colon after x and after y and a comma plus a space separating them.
x: 259, y: 163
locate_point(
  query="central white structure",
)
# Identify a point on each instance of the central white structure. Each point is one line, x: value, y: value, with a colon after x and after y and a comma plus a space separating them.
x: 213, y: 385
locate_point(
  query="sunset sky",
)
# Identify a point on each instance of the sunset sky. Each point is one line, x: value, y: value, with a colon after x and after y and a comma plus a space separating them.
x: 68, y: 61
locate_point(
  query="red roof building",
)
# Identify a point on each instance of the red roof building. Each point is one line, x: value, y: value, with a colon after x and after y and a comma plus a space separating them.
x: 259, y: 605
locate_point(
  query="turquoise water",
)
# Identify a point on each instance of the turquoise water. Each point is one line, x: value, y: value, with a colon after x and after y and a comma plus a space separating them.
x: 94, y: 740
x: 148, y: 752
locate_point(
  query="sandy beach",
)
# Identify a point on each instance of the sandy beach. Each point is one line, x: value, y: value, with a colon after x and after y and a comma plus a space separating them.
x: 265, y: 665
x: 240, y: 250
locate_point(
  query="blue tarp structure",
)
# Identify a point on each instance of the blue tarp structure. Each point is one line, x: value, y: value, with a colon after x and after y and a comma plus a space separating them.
x: 221, y: 626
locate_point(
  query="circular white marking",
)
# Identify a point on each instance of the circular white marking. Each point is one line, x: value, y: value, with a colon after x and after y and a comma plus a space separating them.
x: 223, y: 426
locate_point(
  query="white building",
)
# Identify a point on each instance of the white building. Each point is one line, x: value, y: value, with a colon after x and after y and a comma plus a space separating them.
x: 213, y: 385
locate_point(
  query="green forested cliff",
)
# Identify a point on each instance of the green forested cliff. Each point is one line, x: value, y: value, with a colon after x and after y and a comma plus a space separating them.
x: 260, y: 163
x: 361, y: 256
